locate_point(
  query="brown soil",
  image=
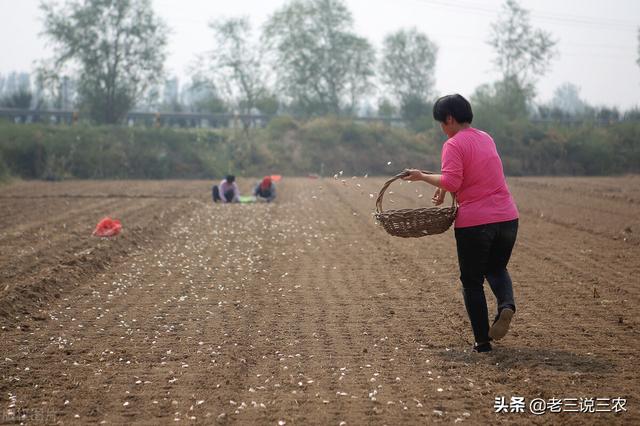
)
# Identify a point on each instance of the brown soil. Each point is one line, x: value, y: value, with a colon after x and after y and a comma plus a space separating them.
x: 304, y: 311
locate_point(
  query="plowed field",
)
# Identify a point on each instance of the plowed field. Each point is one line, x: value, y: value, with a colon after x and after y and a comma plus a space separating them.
x: 304, y: 311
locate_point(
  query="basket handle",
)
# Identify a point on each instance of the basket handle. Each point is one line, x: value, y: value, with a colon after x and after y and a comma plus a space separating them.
x: 396, y: 177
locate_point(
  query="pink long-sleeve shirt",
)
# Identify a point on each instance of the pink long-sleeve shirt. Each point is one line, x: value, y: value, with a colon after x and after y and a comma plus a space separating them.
x: 473, y: 170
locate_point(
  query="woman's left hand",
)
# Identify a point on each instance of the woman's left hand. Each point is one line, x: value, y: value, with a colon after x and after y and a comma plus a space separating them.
x: 412, y: 175
x: 438, y: 196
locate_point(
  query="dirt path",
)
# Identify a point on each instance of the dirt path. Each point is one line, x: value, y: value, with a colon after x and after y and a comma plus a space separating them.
x: 303, y: 311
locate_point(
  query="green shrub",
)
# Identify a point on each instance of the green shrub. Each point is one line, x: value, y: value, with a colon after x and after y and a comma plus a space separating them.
x: 323, y: 145
x: 4, y: 170
x: 280, y: 125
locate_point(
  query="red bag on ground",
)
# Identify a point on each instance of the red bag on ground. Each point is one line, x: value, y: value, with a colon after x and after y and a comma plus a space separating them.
x: 107, y: 227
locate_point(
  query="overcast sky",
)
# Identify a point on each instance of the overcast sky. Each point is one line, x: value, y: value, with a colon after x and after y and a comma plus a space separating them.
x: 597, y: 49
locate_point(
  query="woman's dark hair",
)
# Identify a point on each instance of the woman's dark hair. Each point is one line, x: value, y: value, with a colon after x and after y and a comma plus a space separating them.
x: 454, y: 105
x: 230, y: 178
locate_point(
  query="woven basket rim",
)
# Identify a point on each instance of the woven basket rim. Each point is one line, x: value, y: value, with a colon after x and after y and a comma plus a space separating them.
x: 402, y: 174
x: 418, y: 209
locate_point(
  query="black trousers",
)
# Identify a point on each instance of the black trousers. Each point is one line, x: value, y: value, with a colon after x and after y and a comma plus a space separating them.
x: 484, y: 252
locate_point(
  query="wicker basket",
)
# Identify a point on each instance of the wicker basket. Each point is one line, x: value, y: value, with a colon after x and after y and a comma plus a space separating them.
x: 413, y: 223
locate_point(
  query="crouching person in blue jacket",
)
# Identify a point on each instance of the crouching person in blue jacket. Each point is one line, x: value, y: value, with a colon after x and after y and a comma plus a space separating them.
x: 265, y: 190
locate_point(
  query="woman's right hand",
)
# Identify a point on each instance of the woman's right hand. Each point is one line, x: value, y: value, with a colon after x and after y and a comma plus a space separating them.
x: 412, y: 175
x: 438, y: 196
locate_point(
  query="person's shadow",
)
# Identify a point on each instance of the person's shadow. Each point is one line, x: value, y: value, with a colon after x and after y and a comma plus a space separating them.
x: 552, y: 359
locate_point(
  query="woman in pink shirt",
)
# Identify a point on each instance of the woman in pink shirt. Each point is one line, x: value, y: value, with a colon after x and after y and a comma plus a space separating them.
x: 486, y: 225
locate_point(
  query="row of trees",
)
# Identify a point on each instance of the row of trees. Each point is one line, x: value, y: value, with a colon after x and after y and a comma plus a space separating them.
x: 109, y: 58
x: 307, y: 53
x: 116, y: 51
x: 15, y: 90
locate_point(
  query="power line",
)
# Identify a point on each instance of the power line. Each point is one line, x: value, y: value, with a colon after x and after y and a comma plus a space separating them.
x: 454, y: 36
x: 611, y: 23
x: 465, y: 6
x: 569, y: 20
x: 534, y: 13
